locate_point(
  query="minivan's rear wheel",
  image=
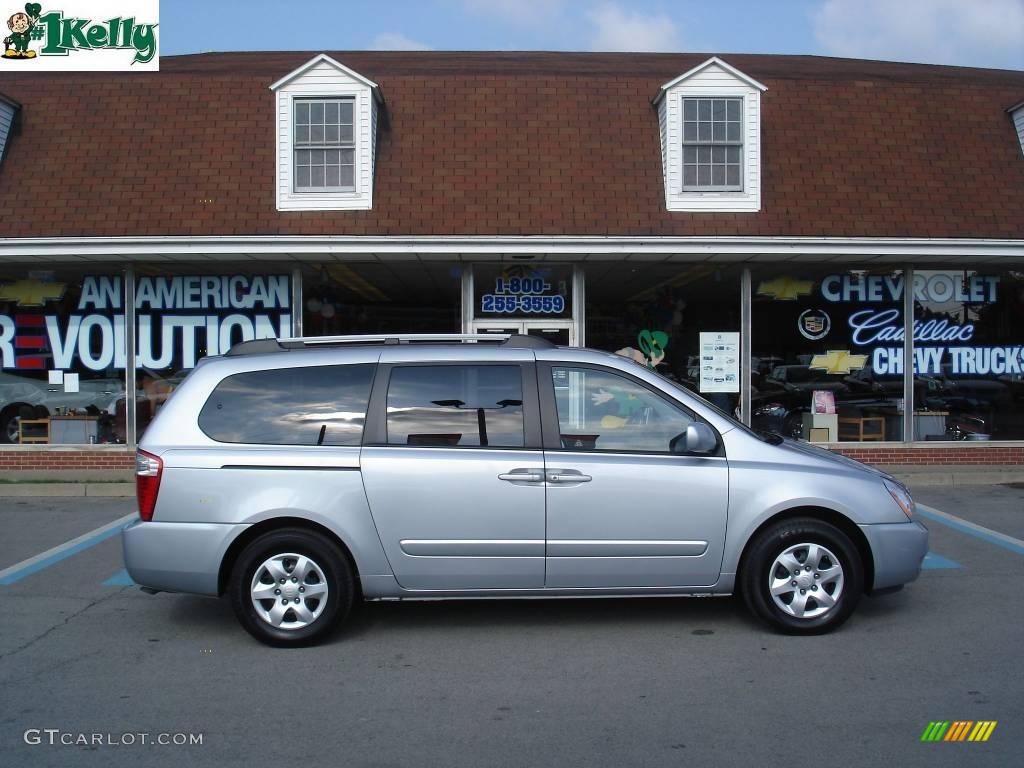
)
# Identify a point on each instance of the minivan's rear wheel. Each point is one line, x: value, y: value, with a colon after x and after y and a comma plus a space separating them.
x: 291, y: 587
x: 802, y: 576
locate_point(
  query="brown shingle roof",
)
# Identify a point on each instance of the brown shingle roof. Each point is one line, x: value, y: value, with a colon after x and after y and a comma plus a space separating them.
x: 515, y: 144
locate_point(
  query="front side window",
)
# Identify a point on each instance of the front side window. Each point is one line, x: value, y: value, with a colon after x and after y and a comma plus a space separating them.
x: 324, y: 145
x: 603, y: 411
x: 456, y: 405
x: 323, y: 405
x: 712, y: 144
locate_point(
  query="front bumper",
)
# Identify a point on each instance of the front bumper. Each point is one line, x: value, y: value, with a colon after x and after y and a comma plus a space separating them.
x: 177, y: 557
x: 898, y: 550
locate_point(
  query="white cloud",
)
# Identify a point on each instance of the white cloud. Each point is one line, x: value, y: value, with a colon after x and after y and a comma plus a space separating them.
x: 965, y: 32
x: 619, y: 30
x: 396, y: 41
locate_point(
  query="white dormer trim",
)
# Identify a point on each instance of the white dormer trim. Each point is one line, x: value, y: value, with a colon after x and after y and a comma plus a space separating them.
x: 1016, y: 113
x: 713, y: 78
x: 322, y: 77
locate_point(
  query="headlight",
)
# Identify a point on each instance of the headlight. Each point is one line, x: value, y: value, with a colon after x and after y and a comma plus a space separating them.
x: 901, y: 496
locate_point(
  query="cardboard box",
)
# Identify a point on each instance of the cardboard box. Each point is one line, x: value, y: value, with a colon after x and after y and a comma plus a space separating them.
x: 819, y: 435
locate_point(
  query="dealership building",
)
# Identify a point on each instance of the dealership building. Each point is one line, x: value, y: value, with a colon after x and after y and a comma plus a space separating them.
x: 829, y: 248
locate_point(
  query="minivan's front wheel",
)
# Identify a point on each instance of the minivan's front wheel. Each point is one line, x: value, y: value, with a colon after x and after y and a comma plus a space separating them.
x: 291, y: 587
x: 802, y: 576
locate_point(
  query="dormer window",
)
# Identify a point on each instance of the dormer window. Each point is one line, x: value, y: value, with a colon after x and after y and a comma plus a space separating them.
x: 325, y: 146
x: 712, y: 144
x: 326, y: 137
x: 710, y: 122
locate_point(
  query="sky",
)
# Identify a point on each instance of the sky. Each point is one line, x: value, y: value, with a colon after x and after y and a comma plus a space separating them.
x: 978, y: 33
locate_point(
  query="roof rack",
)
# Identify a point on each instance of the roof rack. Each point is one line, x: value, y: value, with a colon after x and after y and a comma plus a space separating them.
x: 259, y: 346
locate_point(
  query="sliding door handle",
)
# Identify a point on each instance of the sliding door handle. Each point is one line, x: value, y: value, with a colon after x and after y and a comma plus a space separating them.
x: 568, y: 476
x: 522, y: 476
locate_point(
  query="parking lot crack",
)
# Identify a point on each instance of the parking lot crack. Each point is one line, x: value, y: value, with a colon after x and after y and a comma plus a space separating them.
x: 67, y: 619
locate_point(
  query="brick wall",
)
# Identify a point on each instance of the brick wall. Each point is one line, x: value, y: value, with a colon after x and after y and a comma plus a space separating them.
x: 929, y: 455
x: 881, y: 454
x: 36, y: 460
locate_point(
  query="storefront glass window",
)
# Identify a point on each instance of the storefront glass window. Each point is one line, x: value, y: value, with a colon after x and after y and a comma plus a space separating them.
x: 190, y: 311
x: 671, y: 316
x: 969, y: 352
x: 528, y: 291
x: 377, y: 297
x: 62, y: 345
x: 827, y: 352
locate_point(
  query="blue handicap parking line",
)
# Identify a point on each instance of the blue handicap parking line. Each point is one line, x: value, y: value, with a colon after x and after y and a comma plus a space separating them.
x: 972, y: 529
x: 53, y: 556
x: 933, y: 561
x: 119, y: 579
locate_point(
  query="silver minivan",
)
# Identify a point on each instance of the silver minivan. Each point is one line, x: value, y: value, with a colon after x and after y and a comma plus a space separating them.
x: 296, y: 476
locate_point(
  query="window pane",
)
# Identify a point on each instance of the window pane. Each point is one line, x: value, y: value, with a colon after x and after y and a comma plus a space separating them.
x: 290, y: 406
x: 331, y: 112
x: 302, y: 134
x: 302, y: 112
x: 732, y: 175
x: 704, y: 132
x: 703, y: 175
x: 718, y: 109
x: 319, y: 157
x: 346, y: 112
x: 689, y: 175
x: 316, y: 134
x: 302, y: 176
x: 718, y: 175
x: 689, y: 154
x: 456, y: 405
x: 718, y: 154
x: 733, y: 132
x: 316, y: 112
x: 689, y: 132
x: 600, y: 410
x: 347, y: 176
x: 719, y: 132
x: 302, y: 157
x: 316, y: 176
x: 346, y: 136
x: 733, y: 109
x: 705, y: 109
x: 333, y: 176
x: 332, y: 156
x: 732, y: 154
x: 348, y: 156
x: 704, y: 154
x: 689, y: 109
x: 332, y: 134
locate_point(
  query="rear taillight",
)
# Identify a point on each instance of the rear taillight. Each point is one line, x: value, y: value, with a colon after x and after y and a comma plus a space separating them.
x: 148, y: 469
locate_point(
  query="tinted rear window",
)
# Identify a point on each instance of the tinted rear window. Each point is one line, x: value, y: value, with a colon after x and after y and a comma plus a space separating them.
x: 290, y: 406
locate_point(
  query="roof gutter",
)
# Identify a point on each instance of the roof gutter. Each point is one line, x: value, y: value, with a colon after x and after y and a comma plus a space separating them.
x: 312, y: 248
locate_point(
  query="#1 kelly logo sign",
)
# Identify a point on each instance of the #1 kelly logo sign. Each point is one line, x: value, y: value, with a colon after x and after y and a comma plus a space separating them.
x: 81, y: 35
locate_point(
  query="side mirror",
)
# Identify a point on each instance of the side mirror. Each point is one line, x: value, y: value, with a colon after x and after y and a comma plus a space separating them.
x: 698, y: 438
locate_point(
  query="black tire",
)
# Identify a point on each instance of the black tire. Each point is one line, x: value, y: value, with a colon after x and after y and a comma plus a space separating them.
x: 760, y: 568
x: 331, y: 564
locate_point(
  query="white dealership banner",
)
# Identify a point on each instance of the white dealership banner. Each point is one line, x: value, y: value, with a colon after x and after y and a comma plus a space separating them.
x: 719, y: 361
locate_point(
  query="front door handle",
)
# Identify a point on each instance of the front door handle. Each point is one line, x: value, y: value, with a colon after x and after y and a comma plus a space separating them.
x: 567, y: 476
x: 522, y: 476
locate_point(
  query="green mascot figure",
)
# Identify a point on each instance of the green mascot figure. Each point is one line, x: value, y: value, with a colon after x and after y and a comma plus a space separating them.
x: 21, y: 24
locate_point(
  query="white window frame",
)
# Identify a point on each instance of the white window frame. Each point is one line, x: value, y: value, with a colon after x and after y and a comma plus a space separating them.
x: 712, y: 144
x: 325, y: 145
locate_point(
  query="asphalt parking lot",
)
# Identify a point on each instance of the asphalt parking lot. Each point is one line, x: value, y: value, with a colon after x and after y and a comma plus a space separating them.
x: 521, y: 683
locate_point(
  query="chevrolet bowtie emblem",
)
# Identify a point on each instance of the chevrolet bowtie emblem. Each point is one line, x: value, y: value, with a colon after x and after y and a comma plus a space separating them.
x: 785, y: 288
x: 31, y: 293
x: 838, y: 361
